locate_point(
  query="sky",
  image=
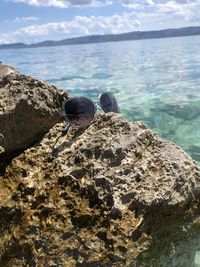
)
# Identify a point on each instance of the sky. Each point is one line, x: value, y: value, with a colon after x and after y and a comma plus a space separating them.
x: 31, y: 21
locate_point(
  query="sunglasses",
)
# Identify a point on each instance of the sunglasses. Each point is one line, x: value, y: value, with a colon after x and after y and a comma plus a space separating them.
x: 80, y: 111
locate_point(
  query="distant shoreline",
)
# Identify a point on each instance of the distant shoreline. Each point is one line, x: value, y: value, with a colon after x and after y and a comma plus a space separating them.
x: 139, y: 35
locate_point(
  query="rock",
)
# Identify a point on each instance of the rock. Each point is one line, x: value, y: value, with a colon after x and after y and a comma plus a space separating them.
x: 28, y: 109
x: 112, y: 195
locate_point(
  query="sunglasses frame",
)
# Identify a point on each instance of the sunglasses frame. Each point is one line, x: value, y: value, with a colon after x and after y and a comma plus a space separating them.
x: 95, y: 104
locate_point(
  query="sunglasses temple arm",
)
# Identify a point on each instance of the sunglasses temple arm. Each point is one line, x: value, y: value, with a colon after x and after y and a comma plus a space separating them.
x: 65, y: 131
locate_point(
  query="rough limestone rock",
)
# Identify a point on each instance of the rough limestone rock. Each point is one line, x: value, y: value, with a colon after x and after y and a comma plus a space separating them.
x: 112, y: 195
x: 28, y: 109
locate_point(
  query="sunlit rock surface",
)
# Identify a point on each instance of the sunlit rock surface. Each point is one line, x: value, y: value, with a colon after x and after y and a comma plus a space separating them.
x: 114, y: 194
x: 28, y: 109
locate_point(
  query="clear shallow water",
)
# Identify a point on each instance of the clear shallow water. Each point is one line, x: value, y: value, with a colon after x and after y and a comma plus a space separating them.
x: 156, y: 81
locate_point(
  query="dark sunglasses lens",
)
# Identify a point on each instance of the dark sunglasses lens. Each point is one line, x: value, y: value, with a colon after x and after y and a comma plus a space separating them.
x: 109, y: 103
x: 79, y: 111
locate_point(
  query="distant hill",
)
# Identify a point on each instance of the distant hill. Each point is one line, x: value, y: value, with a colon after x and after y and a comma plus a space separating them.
x: 187, y: 31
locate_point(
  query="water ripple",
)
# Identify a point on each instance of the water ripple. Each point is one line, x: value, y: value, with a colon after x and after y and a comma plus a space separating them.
x: 156, y: 81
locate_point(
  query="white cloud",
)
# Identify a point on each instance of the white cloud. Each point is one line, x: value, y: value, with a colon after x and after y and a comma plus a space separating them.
x: 136, y: 4
x: 59, y: 3
x: 25, y: 19
x: 109, y: 2
x: 5, y: 39
x: 187, y: 9
x: 77, y: 27
x: 170, y: 6
x: 150, y: 2
x: 184, y: 8
x: 131, y: 4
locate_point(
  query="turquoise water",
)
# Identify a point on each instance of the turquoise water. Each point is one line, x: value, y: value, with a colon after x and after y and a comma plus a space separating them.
x: 156, y: 81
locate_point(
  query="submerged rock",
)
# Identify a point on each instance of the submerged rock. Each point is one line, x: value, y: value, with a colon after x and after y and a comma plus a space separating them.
x: 114, y: 194
x: 28, y: 109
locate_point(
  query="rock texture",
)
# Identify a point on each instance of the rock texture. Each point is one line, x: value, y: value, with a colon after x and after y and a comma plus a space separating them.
x: 114, y: 194
x: 28, y: 109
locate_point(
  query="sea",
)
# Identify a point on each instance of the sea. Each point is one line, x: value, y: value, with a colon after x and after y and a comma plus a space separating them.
x: 156, y: 81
